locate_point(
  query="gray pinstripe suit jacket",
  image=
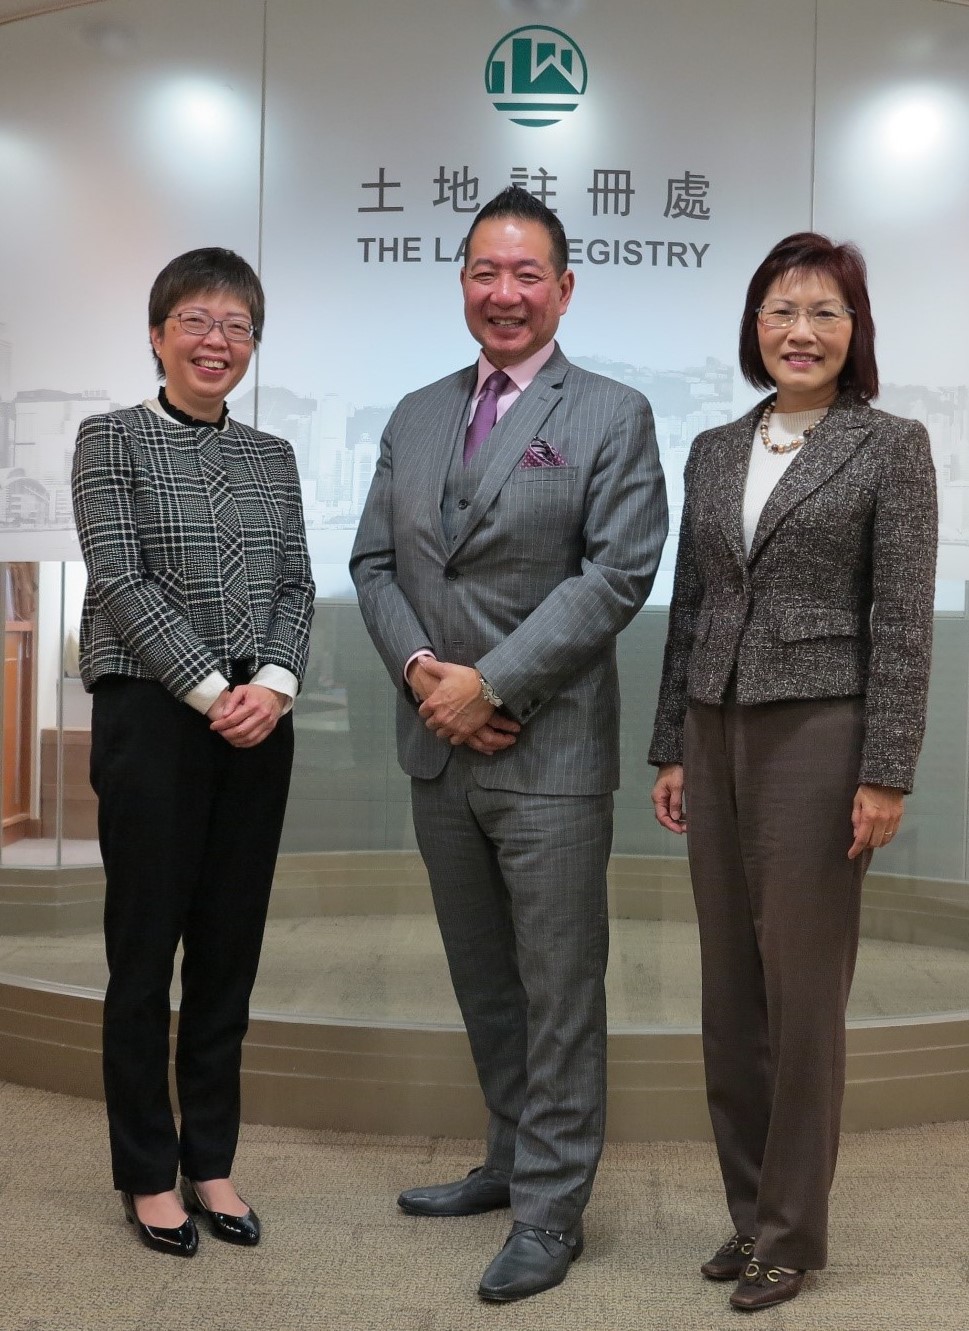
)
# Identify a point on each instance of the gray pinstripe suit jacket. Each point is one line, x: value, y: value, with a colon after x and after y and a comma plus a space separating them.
x: 551, y: 564
x: 155, y: 606
x: 836, y: 596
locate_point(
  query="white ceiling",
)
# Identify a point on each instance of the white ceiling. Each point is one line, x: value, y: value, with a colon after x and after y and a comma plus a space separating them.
x: 14, y: 9
x: 18, y: 9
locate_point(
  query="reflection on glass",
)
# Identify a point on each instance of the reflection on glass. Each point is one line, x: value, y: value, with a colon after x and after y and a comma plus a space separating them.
x: 19, y: 596
x: 49, y: 809
x: 917, y: 125
x: 197, y: 126
x: 898, y: 154
x: 351, y: 933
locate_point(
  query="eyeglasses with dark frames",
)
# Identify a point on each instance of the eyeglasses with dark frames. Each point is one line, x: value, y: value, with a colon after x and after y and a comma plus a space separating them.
x: 197, y: 324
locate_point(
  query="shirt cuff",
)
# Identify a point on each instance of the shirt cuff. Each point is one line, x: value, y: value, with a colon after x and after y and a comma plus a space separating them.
x: 280, y: 680
x: 424, y: 651
x: 204, y: 695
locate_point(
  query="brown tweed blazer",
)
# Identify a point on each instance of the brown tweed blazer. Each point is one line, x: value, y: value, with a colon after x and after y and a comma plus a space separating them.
x: 836, y: 596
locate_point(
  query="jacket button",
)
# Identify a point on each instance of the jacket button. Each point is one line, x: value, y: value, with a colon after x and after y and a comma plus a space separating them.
x: 462, y: 503
x: 451, y: 574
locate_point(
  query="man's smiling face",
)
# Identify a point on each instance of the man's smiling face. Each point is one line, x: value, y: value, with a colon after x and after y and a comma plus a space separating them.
x: 513, y: 297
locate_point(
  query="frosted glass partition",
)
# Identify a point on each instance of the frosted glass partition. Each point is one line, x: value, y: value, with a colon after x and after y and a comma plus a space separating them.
x: 348, y: 792
x: 122, y: 144
x: 49, y: 809
x: 351, y: 932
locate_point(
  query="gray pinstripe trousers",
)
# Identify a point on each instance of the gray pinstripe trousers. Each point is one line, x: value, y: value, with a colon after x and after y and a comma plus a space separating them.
x: 519, y: 886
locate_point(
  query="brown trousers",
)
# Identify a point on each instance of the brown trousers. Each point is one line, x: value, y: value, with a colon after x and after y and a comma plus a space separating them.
x: 769, y: 791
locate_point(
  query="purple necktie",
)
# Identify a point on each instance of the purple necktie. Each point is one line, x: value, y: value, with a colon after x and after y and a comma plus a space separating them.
x: 485, y: 413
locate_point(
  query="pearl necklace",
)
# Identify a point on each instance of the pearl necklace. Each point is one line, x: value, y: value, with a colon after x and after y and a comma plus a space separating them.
x: 780, y: 448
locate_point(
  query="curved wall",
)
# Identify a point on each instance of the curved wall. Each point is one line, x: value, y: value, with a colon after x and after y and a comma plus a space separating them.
x: 391, y: 1072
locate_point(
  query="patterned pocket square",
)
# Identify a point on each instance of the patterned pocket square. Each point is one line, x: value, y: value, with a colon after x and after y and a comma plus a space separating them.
x: 540, y: 453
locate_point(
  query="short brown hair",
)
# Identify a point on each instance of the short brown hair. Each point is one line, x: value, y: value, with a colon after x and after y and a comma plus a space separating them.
x: 199, y: 271
x: 810, y: 252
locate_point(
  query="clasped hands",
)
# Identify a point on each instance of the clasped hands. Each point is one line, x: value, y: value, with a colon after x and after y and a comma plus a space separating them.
x: 247, y: 714
x: 452, y: 706
x: 875, y: 812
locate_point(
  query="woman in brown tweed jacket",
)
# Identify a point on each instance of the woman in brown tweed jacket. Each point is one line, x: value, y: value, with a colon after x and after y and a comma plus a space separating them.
x: 790, y: 717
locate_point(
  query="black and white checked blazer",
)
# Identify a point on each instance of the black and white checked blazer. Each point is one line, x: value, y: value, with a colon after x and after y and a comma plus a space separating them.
x: 155, y: 601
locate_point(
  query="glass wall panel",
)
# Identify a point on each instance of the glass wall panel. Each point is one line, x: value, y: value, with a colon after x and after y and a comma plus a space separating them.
x: 121, y: 144
x: 892, y: 173
x: 50, y: 811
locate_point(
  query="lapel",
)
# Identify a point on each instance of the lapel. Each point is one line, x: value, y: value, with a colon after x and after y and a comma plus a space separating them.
x: 833, y: 441
x: 442, y: 439
x: 511, y: 436
x: 728, y: 479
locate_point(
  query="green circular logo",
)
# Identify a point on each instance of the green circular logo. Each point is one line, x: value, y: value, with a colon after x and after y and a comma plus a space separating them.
x: 536, y: 76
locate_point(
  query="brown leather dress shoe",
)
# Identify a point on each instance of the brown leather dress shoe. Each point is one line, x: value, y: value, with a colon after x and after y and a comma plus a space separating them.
x: 761, y: 1286
x: 729, y: 1260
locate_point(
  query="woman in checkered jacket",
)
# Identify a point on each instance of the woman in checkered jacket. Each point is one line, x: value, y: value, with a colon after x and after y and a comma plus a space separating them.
x: 194, y: 639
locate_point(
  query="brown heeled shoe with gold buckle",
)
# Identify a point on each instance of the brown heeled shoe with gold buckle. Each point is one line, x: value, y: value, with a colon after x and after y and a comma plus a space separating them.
x: 761, y: 1286
x: 729, y: 1260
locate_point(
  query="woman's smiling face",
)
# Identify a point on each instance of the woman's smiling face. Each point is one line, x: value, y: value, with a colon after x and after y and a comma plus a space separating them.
x: 805, y: 361
x: 201, y: 371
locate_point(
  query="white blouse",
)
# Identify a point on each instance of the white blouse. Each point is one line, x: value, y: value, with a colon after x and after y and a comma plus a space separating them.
x: 765, y: 469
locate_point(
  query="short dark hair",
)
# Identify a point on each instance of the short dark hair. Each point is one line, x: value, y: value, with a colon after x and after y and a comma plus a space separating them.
x: 810, y: 252
x: 518, y: 203
x: 200, y: 271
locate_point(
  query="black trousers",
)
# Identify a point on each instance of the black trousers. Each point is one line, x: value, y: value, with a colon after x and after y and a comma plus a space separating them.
x: 189, y: 830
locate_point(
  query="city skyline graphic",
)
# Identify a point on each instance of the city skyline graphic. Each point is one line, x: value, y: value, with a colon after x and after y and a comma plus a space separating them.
x: 337, y: 443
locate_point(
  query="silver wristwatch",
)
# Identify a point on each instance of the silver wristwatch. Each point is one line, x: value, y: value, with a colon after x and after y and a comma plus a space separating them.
x: 488, y: 693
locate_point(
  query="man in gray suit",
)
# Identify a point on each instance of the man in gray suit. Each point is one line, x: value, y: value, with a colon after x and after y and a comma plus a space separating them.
x: 513, y: 528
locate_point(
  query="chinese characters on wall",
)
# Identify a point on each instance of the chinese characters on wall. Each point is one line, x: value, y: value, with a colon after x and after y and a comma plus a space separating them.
x: 611, y: 193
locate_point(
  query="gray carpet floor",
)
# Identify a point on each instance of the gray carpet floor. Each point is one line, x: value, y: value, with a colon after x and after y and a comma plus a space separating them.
x: 338, y: 1256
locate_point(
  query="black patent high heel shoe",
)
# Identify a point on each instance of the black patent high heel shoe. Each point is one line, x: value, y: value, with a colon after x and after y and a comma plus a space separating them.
x: 180, y: 1242
x: 241, y: 1229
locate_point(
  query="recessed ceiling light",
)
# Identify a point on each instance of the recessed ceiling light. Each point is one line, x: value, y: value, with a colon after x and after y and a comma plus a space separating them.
x: 541, y: 9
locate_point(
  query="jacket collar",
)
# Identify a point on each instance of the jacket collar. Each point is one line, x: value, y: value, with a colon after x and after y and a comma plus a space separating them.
x: 507, y: 442
x: 833, y: 441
